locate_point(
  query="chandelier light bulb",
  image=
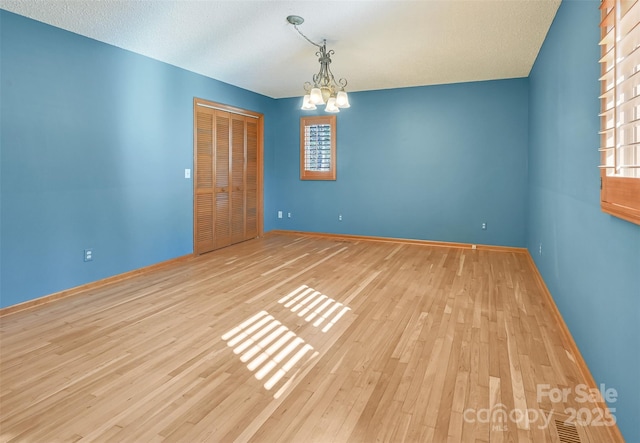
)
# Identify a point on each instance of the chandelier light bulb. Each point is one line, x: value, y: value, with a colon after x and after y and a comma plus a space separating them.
x: 331, y: 105
x: 342, y: 100
x: 306, y: 104
x: 315, y: 96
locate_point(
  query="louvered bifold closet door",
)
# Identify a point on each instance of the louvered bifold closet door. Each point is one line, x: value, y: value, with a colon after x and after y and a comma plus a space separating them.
x: 238, y: 178
x: 226, y: 178
x: 222, y: 213
x: 204, y: 191
x: 252, y: 179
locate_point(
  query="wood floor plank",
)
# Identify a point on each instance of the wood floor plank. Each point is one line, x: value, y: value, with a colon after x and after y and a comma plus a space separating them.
x: 294, y: 338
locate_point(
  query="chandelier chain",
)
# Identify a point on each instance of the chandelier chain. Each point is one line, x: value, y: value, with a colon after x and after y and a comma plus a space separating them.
x: 306, y: 38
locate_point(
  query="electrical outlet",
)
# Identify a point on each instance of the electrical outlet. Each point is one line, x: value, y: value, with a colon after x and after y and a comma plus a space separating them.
x: 540, y: 249
x: 88, y: 255
x: 484, y: 226
x: 340, y: 217
x: 288, y: 214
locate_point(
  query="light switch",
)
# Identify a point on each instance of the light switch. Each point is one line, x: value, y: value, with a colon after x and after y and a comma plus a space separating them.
x: 187, y: 173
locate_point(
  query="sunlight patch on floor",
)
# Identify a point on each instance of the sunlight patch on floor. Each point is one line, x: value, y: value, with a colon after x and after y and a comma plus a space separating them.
x: 304, y: 299
x: 270, y: 349
x: 267, y: 347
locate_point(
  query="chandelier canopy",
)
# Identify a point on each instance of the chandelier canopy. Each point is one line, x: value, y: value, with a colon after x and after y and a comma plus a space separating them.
x: 325, y: 89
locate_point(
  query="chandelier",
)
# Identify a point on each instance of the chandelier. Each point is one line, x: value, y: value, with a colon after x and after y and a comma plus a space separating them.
x: 324, y: 90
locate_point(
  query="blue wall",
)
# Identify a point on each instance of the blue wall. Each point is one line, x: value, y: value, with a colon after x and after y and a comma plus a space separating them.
x: 94, y: 145
x: 590, y: 261
x: 425, y: 163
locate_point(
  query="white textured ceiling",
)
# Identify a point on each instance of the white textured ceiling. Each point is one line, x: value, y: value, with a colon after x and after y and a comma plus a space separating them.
x: 377, y: 44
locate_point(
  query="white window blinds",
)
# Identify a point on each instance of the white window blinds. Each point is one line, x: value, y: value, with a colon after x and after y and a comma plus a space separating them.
x: 620, y: 135
x: 620, y: 108
x: 318, y: 148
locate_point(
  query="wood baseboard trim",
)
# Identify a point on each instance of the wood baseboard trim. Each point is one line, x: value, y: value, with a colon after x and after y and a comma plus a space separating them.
x: 441, y: 244
x: 570, y: 343
x: 29, y: 304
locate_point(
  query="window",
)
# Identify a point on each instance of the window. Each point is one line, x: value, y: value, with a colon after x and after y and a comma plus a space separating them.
x: 318, y: 148
x: 620, y: 109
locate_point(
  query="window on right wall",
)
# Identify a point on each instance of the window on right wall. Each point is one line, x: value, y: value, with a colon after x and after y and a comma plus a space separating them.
x: 620, y: 109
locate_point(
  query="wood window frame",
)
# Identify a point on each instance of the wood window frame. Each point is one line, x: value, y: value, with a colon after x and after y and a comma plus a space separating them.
x: 619, y: 194
x: 305, y: 173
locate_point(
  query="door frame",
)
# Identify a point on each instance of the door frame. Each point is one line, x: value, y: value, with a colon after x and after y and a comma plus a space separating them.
x: 197, y: 102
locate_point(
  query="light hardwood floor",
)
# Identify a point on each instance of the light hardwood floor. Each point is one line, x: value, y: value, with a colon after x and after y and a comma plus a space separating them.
x: 297, y: 339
